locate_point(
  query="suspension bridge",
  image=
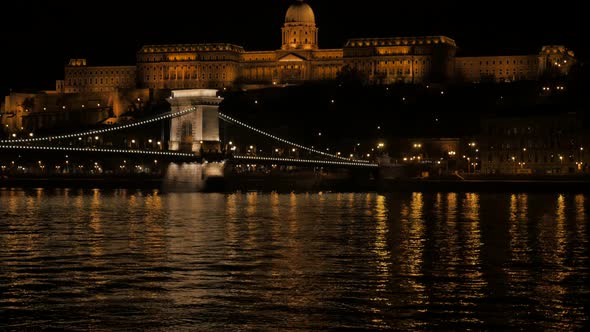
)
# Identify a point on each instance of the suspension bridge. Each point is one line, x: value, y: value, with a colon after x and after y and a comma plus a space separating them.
x: 194, y: 133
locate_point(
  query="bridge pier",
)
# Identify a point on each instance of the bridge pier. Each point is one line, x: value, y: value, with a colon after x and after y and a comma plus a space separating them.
x: 197, y: 131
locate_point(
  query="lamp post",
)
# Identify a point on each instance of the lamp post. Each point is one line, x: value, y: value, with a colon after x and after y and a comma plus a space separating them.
x: 514, y: 163
x: 418, y: 147
x: 581, y: 159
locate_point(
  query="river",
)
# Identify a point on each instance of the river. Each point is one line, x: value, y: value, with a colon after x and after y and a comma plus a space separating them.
x: 105, y: 260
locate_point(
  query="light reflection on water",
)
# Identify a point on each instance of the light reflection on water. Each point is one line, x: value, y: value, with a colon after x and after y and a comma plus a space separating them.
x: 132, y: 260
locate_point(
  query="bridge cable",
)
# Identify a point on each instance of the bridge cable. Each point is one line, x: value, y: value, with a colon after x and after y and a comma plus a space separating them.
x: 164, y: 116
x: 234, y: 121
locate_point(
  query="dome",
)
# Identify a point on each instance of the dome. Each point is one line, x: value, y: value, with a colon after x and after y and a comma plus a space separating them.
x: 300, y: 12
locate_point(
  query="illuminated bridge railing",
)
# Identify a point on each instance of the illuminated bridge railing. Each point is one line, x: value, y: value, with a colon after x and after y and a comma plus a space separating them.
x: 234, y: 121
x: 157, y: 118
x: 304, y: 161
x: 73, y: 149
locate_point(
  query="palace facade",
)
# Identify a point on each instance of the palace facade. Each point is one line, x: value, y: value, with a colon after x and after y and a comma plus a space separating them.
x: 413, y: 60
x: 377, y: 60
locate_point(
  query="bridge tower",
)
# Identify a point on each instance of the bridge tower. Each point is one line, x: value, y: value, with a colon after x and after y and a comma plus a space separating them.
x: 196, y: 131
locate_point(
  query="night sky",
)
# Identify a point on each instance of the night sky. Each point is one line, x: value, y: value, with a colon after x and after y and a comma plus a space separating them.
x: 44, y: 35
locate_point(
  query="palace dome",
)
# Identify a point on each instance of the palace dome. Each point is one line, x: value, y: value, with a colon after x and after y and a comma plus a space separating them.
x: 300, y: 12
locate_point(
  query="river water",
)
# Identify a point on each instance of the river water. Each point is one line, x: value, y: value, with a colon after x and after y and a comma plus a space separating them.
x: 131, y: 260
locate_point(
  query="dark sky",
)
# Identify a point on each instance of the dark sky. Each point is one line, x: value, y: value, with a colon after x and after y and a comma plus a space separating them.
x: 44, y: 35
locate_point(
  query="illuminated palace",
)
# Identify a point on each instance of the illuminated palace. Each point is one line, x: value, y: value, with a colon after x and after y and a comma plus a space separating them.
x: 106, y: 93
x: 379, y: 60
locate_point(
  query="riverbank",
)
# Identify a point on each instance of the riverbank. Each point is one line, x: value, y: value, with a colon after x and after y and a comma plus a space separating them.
x: 129, y: 182
x: 301, y: 184
x: 485, y: 185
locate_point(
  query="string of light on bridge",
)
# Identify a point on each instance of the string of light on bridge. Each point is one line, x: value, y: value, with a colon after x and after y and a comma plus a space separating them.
x: 71, y: 149
x: 158, y: 118
x: 232, y: 120
x: 310, y: 161
x: 161, y: 117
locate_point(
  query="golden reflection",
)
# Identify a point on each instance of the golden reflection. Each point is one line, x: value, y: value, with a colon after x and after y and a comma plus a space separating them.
x: 275, y: 205
x: 451, y: 207
x: 153, y: 204
x: 581, y: 235
x: 560, y: 239
x: 251, y: 200
x: 412, y: 246
x: 416, y: 207
x: 351, y: 201
x: 438, y: 201
x: 252, y: 220
x: 552, y: 235
x: 560, y: 212
x: 579, y: 244
x: 26, y: 217
x: 13, y: 201
x: 231, y: 211
x: 155, y: 228
x: 471, y: 207
x: 96, y: 224
x: 580, y: 210
x: 368, y: 199
x: 552, y: 247
x: 453, y: 236
x: 518, y: 219
x: 472, y: 242
x: 39, y: 193
x: 231, y: 208
x: 381, y: 249
x: 447, y: 239
x: 293, y: 210
x: 276, y: 219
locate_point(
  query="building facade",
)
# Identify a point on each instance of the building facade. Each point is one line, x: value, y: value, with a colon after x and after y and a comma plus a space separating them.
x: 544, y: 144
x: 412, y: 60
x: 553, y: 58
x: 80, y: 78
x: 409, y: 60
